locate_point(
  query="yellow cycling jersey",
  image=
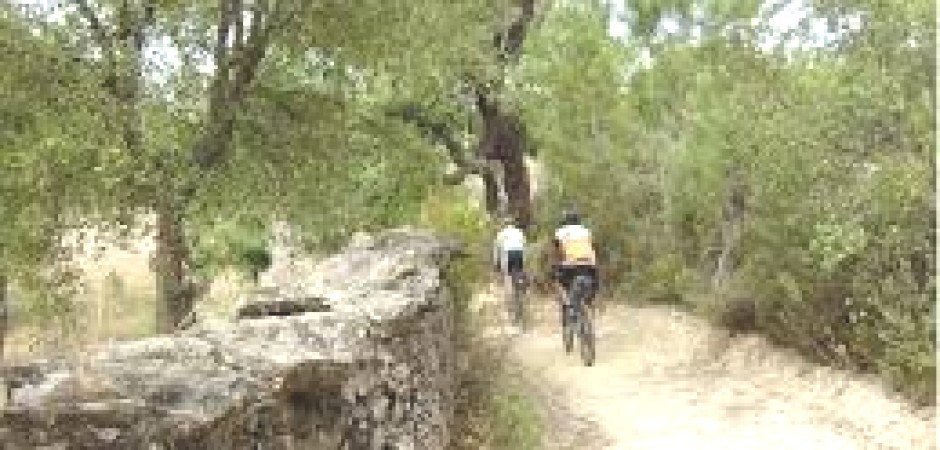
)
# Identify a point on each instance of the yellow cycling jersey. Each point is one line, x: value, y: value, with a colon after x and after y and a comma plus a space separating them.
x: 577, y: 247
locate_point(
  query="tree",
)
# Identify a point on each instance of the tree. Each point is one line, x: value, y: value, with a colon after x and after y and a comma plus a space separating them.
x: 782, y: 176
x: 243, y: 32
x: 502, y: 139
x: 54, y: 155
x: 240, y: 37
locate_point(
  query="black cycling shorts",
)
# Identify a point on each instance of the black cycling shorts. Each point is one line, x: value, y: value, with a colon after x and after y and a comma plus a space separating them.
x: 514, y: 261
x: 566, y: 275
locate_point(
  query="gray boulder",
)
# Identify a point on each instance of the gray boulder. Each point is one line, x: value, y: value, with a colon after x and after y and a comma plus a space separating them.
x: 356, y: 355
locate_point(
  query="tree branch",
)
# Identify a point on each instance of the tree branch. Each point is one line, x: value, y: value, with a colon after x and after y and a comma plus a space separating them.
x: 254, y: 50
x: 509, y: 42
x: 145, y: 20
x: 282, y: 15
x: 105, y: 41
x: 237, y: 65
x: 221, y: 52
x: 239, y: 40
x: 516, y: 33
x: 97, y: 28
x: 440, y: 133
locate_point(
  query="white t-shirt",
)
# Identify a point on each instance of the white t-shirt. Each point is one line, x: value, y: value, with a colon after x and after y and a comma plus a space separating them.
x: 510, y: 238
x: 572, y: 232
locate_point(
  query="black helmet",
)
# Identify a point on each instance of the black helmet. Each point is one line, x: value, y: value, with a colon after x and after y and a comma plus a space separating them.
x: 570, y: 217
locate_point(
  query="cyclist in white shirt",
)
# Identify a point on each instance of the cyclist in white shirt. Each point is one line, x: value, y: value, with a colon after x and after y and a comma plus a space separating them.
x: 509, y: 248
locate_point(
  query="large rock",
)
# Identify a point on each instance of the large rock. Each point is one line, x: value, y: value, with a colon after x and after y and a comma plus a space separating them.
x: 357, y: 354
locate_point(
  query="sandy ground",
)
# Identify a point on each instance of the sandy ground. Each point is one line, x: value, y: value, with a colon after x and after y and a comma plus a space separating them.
x: 665, y: 379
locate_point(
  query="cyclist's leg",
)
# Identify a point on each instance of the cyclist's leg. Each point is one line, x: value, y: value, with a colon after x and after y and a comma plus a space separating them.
x: 595, y: 287
x: 504, y: 285
x: 514, y: 262
x: 566, y: 276
x: 589, y: 298
x: 521, y: 267
x: 513, y: 266
x: 591, y: 273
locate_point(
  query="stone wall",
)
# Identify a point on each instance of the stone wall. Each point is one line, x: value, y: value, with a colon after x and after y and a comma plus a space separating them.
x: 358, y: 354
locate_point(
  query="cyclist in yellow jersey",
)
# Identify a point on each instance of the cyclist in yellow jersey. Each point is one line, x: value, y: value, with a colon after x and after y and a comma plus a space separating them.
x: 574, y: 253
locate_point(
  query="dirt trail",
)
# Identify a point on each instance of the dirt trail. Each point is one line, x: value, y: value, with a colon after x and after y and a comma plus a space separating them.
x: 667, y: 380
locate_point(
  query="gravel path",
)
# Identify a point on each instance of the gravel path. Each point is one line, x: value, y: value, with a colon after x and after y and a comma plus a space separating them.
x: 667, y: 380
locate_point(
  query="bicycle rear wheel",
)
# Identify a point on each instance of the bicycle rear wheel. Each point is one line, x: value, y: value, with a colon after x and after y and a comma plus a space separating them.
x: 518, y: 305
x: 584, y: 325
x: 568, y: 321
x: 586, y: 336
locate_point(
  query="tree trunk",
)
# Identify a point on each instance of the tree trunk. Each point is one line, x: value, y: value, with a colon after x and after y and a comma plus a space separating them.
x: 490, y: 192
x: 174, y: 301
x: 503, y: 140
x: 516, y: 177
x: 504, y: 137
x: 242, y: 38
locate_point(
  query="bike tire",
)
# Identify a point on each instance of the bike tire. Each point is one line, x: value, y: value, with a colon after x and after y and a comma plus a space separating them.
x: 584, y: 325
x: 568, y: 329
x: 586, y: 338
x: 515, y: 303
x: 522, y: 310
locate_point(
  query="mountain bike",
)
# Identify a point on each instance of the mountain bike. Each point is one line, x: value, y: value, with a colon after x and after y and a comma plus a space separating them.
x: 517, y: 303
x: 578, y: 319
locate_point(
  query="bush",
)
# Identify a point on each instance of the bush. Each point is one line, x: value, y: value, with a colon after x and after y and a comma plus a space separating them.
x: 515, y: 422
x: 451, y: 212
x: 492, y: 413
x: 885, y: 326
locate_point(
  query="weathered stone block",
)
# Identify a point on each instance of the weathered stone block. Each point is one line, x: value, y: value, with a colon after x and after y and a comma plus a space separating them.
x: 357, y: 354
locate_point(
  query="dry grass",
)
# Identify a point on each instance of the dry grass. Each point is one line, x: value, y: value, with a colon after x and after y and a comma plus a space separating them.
x: 495, y: 410
x: 116, y: 300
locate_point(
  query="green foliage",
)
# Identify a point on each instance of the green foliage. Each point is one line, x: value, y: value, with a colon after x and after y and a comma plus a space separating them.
x: 47, y: 162
x: 242, y: 242
x: 98, y: 129
x: 808, y: 173
x: 515, y: 420
x: 495, y: 413
x: 44, y: 298
x: 450, y: 211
